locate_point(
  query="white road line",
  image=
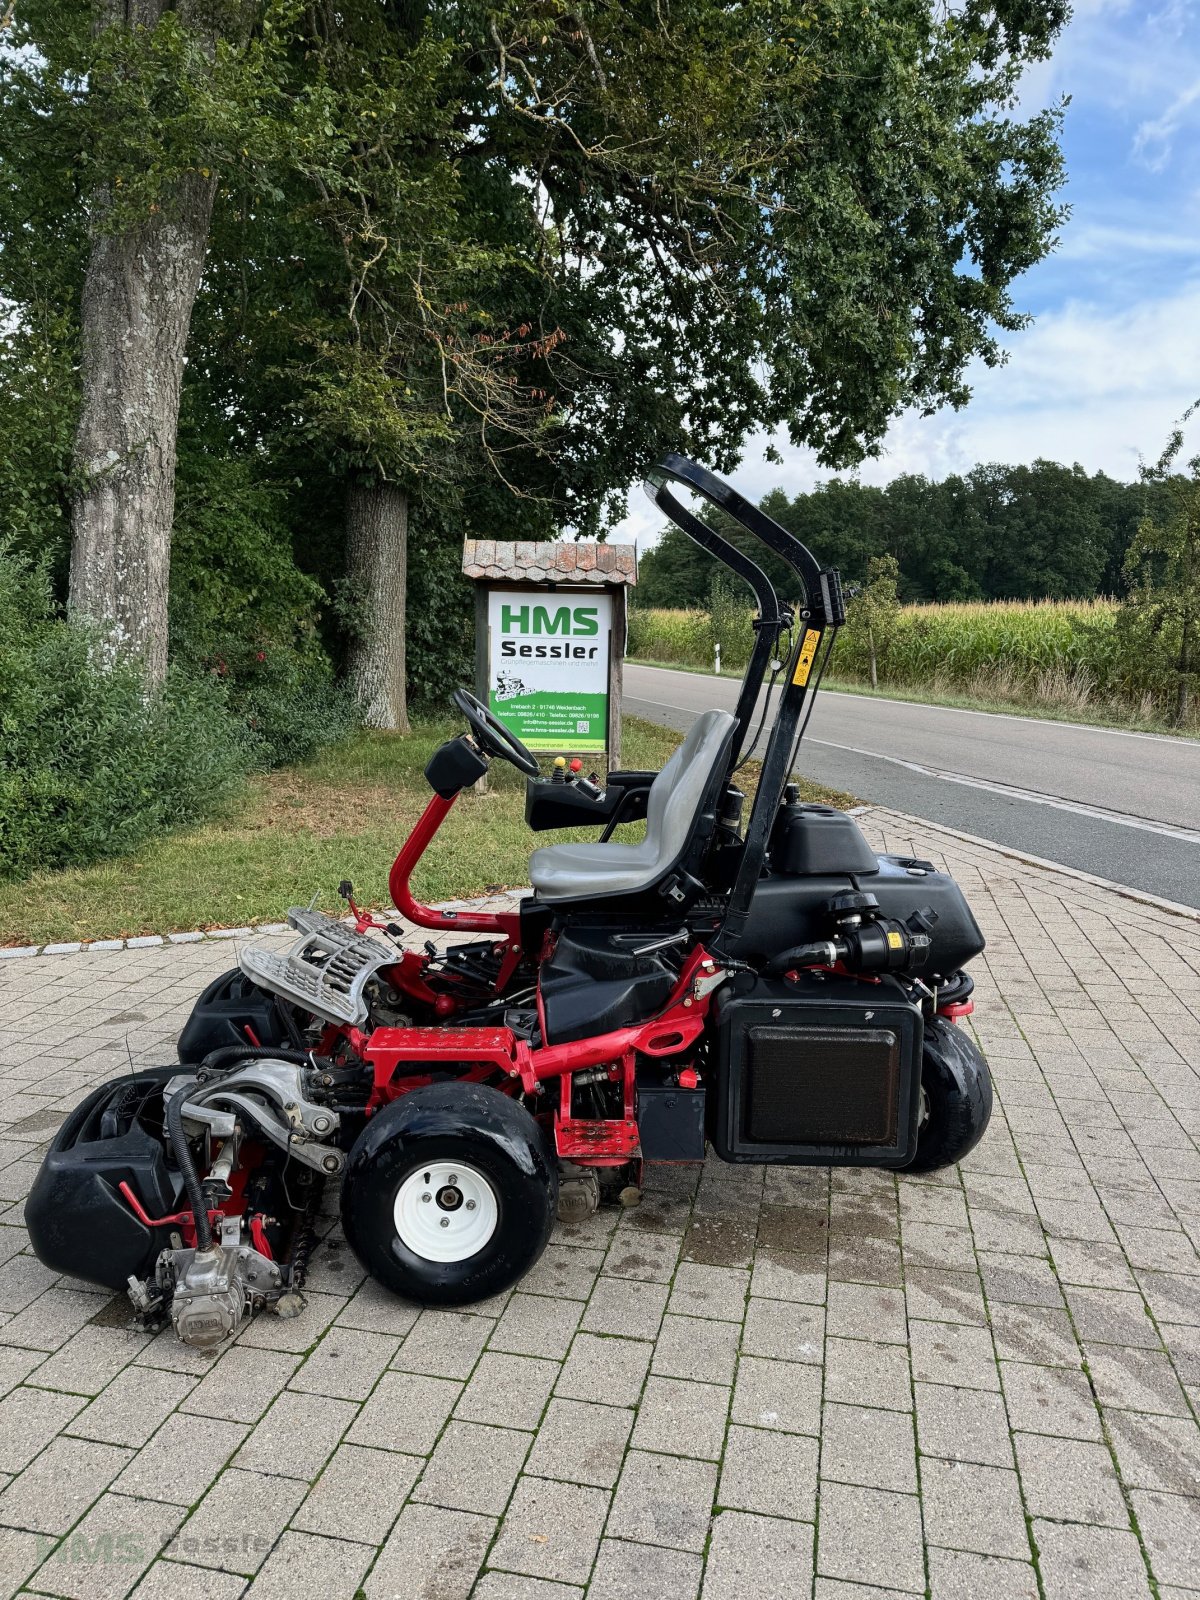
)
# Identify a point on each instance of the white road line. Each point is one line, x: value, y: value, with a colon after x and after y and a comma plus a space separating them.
x: 1032, y: 796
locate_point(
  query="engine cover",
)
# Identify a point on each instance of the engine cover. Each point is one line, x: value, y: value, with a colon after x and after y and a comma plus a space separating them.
x: 822, y: 1071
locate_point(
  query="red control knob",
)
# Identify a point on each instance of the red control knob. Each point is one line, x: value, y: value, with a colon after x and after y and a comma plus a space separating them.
x: 576, y: 765
x: 689, y: 1078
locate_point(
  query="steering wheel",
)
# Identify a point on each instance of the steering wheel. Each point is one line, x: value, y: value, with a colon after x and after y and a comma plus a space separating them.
x: 492, y: 735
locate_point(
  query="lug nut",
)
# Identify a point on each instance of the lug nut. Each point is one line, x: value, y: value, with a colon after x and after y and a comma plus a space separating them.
x: 426, y: 1196
x: 470, y: 1205
x: 445, y: 1222
x: 453, y: 1178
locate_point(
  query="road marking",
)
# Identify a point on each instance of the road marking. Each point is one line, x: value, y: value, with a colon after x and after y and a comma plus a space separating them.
x: 1031, y: 796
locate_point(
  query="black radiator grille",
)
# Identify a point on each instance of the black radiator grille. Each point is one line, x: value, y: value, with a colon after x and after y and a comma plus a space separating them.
x: 837, y: 1086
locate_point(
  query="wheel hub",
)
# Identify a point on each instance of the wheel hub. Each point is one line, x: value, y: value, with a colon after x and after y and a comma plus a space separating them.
x: 446, y: 1211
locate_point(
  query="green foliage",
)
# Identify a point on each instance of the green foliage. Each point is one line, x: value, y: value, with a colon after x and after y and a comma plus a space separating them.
x: 89, y: 766
x: 1159, y: 624
x: 997, y: 533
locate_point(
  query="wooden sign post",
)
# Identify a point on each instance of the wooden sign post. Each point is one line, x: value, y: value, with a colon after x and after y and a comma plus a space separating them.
x: 550, y: 626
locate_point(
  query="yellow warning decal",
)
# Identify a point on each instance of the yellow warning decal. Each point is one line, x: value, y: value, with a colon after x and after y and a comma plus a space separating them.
x: 808, y: 652
x: 894, y: 940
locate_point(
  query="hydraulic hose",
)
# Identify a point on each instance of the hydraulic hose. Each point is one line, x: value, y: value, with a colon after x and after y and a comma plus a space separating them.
x: 231, y: 1055
x: 187, y: 1166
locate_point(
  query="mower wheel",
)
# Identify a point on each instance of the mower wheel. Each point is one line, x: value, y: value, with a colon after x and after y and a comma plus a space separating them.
x: 956, y: 1092
x: 449, y: 1194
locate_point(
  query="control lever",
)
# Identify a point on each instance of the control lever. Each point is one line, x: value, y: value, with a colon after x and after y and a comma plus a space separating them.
x: 627, y: 941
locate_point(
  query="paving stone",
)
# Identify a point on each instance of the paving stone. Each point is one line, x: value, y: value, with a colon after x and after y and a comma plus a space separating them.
x: 444, y: 1344
x: 510, y: 1391
x: 88, y: 1361
x: 359, y: 1493
x: 430, y: 1552
x: 642, y: 1572
x: 374, y: 1309
x: 133, y: 1405
x: 953, y: 1353
x: 936, y: 1295
x: 516, y: 1586
x: 57, y: 1487
x: 297, y: 1436
x: 406, y: 1412
x: 783, y: 1330
x: 782, y: 1275
x: 50, y: 1320
x: 777, y: 1394
x: 303, y: 1565
x: 346, y: 1364
x: 625, y: 1306
x: 238, y: 1521
x: 835, y: 1589
x: 1170, y: 1528
x: 581, y: 1443
x: 1083, y: 1563
x: 859, y: 1373
x: 959, y: 1575
x: 551, y: 1530
x: 182, y: 1459
x: 969, y: 1507
x: 766, y: 1557
x: 1038, y: 1334
x: 605, y: 1369
x: 681, y: 1418
x: 644, y: 1255
x: 29, y: 1419
x: 1156, y: 1452
x: 875, y: 1449
x: 1109, y: 1316
x: 136, y: 1531
x: 295, y: 1334
x: 962, y: 1425
x: 768, y: 1472
x: 473, y: 1468
x: 1019, y: 1280
x: 173, y: 1580
x: 566, y: 1271
x: 1069, y: 1480
x: 20, y: 1553
x: 1054, y: 1400
x: 665, y: 1500
x: 866, y: 1311
x: 696, y: 1347
x: 241, y: 1384
x: 703, y: 1291
x: 869, y: 1536
x: 533, y: 1325
x: 1135, y: 1380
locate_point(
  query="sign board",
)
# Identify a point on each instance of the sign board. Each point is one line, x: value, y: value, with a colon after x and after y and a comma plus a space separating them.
x: 548, y: 666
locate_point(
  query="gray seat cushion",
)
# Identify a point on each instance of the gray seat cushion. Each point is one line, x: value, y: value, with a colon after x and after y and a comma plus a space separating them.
x: 584, y: 871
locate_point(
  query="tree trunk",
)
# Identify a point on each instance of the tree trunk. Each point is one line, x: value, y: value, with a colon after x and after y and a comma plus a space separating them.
x: 377, y: 565
x: 136, y: 310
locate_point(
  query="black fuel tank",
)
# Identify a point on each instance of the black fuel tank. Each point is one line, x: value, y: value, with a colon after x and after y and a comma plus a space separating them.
x: 786, y: 911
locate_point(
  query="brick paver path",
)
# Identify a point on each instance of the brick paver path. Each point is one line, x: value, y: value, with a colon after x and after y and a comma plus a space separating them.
x: 761, y: 1383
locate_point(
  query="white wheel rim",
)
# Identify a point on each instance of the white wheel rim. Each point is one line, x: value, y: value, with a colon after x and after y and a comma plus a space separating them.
x: 445, y: 1211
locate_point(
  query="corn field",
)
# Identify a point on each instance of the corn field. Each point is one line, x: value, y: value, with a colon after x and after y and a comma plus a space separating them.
x: 1055, y: 652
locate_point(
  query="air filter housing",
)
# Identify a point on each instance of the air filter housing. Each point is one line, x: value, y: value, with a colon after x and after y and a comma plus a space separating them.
x: 820, y: 1072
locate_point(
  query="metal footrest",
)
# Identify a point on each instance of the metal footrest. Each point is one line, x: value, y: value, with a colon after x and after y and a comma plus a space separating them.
x: 598, y: 1143
x: 325, y: 971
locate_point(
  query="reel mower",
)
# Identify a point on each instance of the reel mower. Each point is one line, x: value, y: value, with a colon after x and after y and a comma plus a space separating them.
x: 765, y: 984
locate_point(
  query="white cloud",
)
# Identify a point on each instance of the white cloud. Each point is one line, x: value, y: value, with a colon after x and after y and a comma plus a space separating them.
x: 1154, y: 140
x: 1084, y: 384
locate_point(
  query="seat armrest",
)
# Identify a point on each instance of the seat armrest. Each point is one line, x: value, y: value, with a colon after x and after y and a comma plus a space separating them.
x: 630, y: 780
x: 565, y: 805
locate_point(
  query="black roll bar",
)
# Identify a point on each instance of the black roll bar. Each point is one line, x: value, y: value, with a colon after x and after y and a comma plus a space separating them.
x: 823, y: 608
x: 771, y: 619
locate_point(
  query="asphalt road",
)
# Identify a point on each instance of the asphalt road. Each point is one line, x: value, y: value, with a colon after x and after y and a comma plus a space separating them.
x: 1124, y: 806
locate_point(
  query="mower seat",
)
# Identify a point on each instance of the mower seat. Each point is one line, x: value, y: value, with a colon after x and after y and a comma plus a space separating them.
x: 674, y: 806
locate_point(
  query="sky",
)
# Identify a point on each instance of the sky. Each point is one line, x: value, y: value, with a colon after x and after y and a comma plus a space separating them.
x: 1113, y: 356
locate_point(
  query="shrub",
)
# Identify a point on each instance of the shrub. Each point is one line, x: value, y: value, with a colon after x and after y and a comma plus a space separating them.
x: 89, y: 766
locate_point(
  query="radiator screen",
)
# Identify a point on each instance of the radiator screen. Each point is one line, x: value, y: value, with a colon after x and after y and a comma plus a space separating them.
x: 821, y: 1086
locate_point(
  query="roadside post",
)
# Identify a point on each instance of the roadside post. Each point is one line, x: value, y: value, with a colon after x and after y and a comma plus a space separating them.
x: 550, y: 628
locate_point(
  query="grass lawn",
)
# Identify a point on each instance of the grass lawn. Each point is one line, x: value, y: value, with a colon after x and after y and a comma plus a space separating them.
x: 298, y: 832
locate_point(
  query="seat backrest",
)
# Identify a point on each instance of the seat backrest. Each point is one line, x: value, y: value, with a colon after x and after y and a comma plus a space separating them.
x: 678, y: 792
